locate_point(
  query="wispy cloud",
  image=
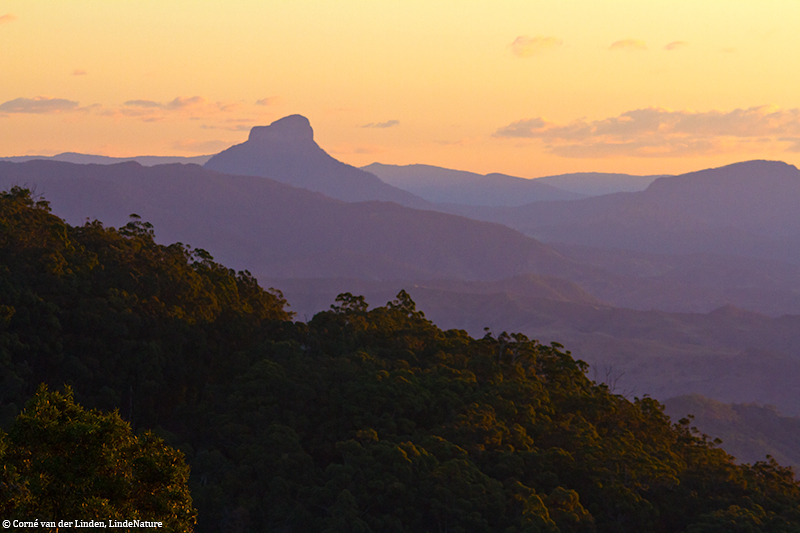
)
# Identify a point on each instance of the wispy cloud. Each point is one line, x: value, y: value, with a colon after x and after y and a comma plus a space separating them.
x: 658, y: 132
x: 40, y: 105
x: 360, y: 149
x: 231, y: 124
x: 79, y: 72
x: 200, y: 147
x: 143, y: 103
x: 269, y: 100
x: 795, y: 144
x: 525, y: 46
x: 387, y: 124
x: 628, y: 44
x: 185, y: 103
x: 191, y: 107
x: 8, y: 17
x: 465, y: 141
x: 675, y: 45
x: 178, y: 103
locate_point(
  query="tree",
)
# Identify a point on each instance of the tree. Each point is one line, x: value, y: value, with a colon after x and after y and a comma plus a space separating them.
x: 62, y: 462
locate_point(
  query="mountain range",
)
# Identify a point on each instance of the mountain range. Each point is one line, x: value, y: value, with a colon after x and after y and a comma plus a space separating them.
x: 274, y: 229
x: 443, y: 185
x: 88, y: 159
x: 746, y: 209
x: 677, y: 286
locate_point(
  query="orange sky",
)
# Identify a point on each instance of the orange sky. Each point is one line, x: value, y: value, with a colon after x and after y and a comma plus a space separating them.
x: 525, y: 87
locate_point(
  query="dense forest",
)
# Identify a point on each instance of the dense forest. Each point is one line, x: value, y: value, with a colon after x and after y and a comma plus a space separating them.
x: 360, y: 420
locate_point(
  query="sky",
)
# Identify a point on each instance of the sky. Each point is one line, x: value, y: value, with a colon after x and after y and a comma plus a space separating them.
x: 528, y: 88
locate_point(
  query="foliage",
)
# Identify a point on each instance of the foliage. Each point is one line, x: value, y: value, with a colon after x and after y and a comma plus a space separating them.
x: 61, y: 462
x: 360, y: 420
x: 128, y: 323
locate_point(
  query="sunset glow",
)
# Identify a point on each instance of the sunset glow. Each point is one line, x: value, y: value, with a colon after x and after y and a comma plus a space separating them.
x: 520, y: 87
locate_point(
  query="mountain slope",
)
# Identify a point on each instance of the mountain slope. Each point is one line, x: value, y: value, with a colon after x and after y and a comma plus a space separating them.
x: 598, y: 183
x: 276, y: 230
x: 742, y: 209
x: 749, y: 432
x: 285, y: 151
x: 729, y: 354
x: 442, y: 185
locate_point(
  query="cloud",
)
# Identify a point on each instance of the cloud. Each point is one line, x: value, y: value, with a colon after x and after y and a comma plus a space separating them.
x: 464, y: 141
x: 79, y: 72
x: 231, y: 124
x: 524, y: 46
x: 204, y: 147
x: 658, y: 132
x: 360, y: 150
x: 269, y: 100
x: 628, y: 44
x: 39, y: 105
x: 143, y: 103
x: 191, y: 107
x: 675, y: 45
x: 8, y: 17
x: 178, y: 103
x: 185, y: 103
x: 387, y: 124
x: 644, y: 149
x: 795, y: 144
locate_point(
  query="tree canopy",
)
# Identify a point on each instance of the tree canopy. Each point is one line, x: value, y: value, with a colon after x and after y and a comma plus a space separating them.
x: 62, y: 462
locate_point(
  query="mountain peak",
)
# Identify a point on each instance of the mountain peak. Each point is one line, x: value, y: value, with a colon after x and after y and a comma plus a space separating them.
x: 744, y: 174
x: 285, y: 151
x: 293, y: 128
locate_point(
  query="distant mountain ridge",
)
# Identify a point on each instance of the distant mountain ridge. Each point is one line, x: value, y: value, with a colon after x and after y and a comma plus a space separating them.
x: 747, y: 208
x: 443, y: 185
x: 749, y: 432
x: 286, y: 152
x: 277, y: 230
x: 599, y: 183
x: 378, y: 241
x: 757, y: 196
x: 88, y: 159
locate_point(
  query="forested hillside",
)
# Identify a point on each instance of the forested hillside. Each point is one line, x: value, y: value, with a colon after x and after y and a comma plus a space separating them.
x: 358, y: 420
x: 127, y: 322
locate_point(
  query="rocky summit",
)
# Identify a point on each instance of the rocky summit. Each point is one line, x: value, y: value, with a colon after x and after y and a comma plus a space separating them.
x: 285, y: 151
